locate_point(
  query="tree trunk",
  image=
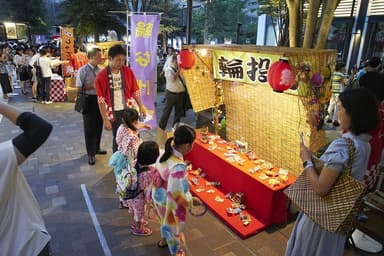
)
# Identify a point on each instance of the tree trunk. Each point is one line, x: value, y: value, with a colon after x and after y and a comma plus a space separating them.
x: 310, y: 27
x: 294, y: 16
x: 164, y: 40
x: 326, y: 22
x: 135, y: 5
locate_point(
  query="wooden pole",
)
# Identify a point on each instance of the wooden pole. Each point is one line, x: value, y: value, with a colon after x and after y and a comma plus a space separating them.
x: 189, y: 23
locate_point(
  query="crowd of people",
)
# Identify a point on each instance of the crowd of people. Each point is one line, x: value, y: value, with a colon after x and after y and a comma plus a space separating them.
x: 356, y: 106
x: 18, y: 63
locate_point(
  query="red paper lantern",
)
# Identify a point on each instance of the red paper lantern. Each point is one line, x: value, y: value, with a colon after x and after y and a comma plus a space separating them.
x: 187, y: 59
x: 281, y: 76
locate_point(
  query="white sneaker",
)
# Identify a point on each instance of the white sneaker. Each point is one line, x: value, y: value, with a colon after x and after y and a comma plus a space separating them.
x: 48, y: 102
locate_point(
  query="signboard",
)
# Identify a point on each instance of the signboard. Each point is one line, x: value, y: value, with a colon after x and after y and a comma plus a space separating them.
x: 67, y: 48
x: 10, y: 30
x: 245, y: 67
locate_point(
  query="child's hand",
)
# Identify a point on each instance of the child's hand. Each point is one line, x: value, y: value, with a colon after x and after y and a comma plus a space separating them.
x: 147, y: 126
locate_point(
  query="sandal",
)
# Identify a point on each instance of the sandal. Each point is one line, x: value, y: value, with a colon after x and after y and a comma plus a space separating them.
x: 145, y: 223
x: 123, y: 206
x: 180, y: 253
x: 142, y: 232
x: 162, y: 244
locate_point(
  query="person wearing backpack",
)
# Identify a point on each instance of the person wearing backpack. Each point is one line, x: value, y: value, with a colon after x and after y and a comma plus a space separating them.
x: 147, y: 155
x: 128, y: 139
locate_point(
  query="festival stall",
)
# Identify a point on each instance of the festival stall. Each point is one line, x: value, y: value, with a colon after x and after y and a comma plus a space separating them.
x: 271, y: 95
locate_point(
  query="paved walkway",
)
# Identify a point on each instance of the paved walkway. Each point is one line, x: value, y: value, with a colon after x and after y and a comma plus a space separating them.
x: 61, y: 179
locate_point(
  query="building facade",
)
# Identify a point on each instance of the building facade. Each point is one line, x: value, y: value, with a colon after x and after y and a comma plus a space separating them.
x: 357, y: 31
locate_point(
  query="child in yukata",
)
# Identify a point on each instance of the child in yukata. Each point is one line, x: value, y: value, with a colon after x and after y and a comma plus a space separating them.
x: 147, y: 154
x: 172, y: 197
x: 128, y: 139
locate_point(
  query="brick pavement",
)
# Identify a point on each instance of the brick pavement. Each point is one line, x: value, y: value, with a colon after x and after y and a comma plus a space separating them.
x: 57, y: 170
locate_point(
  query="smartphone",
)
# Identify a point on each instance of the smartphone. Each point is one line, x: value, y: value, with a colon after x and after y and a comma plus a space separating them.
x: 302, y: 138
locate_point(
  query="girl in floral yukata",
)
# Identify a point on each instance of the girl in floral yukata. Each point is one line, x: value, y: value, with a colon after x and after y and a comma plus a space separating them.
x: 172, y: 200
x: 128, y: 139
x: 147, y: 154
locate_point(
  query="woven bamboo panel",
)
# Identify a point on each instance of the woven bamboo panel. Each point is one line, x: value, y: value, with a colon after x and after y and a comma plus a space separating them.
x: 270, y: 122
x: 200, y: 83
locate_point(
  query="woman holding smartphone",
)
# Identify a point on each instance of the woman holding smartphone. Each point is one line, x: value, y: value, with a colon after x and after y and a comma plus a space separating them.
x: 357, y: 115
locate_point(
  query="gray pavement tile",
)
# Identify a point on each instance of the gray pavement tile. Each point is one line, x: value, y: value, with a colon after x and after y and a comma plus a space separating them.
x: 58, y: 201
x: 49, y: 190
x: 56, y: 171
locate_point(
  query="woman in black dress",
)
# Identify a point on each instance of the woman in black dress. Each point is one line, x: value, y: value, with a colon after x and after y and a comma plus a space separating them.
x: 4, y: 77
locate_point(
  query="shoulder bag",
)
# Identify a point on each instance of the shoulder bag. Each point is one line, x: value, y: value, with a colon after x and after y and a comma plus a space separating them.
x: 81, y: 100
x: 335, y: 211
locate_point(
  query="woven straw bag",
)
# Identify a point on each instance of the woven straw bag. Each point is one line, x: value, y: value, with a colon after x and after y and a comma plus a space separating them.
x: 335, y: 211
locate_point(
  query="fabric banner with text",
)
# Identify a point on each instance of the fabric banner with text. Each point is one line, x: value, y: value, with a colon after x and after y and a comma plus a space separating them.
x: 67, y: 48
x: 144, y: 32
x: 245, y: 67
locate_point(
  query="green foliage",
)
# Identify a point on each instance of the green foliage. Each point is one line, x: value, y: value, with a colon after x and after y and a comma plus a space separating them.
x: 92, y: 17
x: 277, y: 10
x: 170, y: 18
x: 198, y: 18
x: 32, y: 12
x: 271, y: 8
x: 223, y: 17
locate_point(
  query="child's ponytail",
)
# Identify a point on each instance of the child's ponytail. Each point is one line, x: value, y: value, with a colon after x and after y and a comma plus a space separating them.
x: 167, y: 150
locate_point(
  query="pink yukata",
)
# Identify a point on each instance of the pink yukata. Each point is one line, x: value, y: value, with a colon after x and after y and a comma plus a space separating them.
x: 128, y: 143
x: 137, y: 205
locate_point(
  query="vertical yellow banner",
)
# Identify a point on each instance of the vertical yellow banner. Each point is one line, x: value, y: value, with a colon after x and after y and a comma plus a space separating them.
x: 67, y: 48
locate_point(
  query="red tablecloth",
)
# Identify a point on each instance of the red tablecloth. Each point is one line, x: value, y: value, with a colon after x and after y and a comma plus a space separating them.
x: 266, y: 203
x: 57, y: 90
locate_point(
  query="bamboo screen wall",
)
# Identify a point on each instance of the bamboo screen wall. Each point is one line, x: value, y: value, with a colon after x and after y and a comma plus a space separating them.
x: 269, y: 121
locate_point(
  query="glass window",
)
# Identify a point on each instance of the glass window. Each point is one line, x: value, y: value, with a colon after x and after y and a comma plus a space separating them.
x: 337, y: 37
x: 378, y: 43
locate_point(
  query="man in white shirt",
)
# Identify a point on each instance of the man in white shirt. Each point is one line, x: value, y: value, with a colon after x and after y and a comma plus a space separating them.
x: 22, y: 229
x: 174, y: 94
x: 46, y: 64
